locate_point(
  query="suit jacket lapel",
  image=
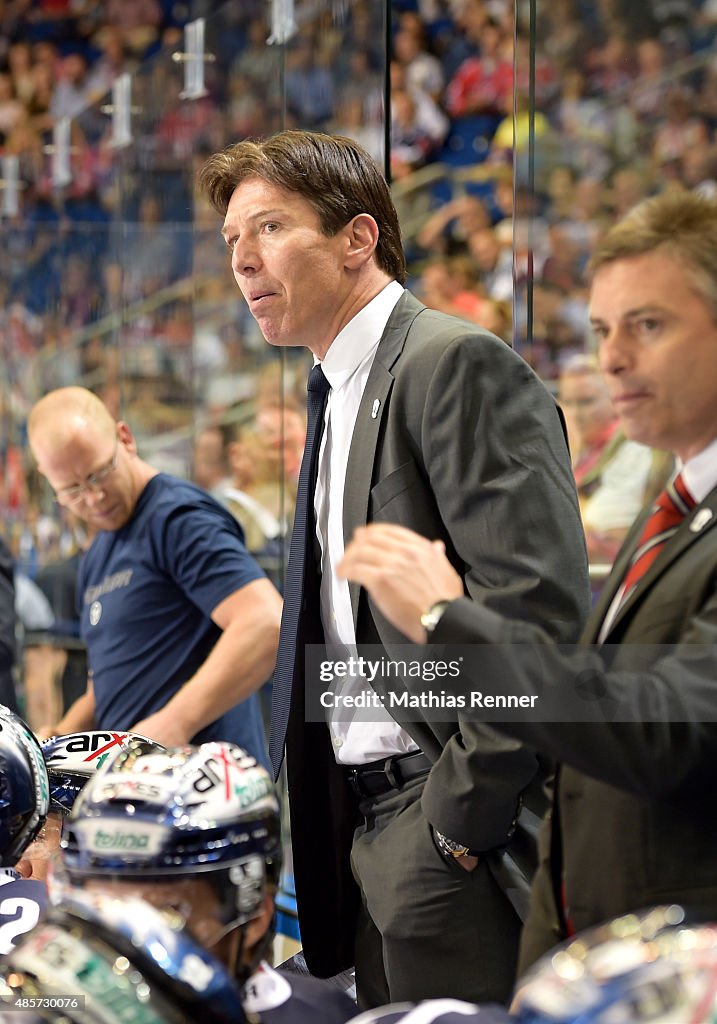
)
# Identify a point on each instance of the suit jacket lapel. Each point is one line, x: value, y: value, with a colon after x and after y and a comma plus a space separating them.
x: 700, y: 521
x: 362, y: 454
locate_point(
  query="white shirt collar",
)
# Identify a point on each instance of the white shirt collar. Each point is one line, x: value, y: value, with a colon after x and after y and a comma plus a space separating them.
x: 359, y: 337
x: 700, y: 472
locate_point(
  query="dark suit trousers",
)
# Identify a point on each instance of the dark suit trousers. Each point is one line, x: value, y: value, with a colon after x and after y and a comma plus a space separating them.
x: 425, y: 927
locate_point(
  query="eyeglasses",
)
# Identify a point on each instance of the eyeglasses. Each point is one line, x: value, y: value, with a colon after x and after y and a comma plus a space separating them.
x: 75, y: 494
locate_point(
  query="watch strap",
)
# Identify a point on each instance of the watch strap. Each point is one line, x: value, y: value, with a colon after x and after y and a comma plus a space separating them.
x: 451, y: 848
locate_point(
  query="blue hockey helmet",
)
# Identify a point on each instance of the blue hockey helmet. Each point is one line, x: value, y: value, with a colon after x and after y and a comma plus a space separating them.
x: 649, y: 966
x: 95, y: 958
x: 24, y: 787
x: 74, y: 758
x: 203, y: 811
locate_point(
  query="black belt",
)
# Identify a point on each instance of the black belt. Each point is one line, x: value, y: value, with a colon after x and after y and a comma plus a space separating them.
x: 382, y: 776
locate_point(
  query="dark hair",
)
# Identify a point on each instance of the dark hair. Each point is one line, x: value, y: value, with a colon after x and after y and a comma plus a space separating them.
x: 335, y: 174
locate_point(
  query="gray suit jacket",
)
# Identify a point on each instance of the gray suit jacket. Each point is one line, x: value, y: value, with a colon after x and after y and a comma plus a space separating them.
x: 458, y: 439
x: 631, y: 824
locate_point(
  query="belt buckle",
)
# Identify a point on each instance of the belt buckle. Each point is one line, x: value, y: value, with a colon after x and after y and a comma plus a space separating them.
x: 390, y: 770
x: 356, y: 783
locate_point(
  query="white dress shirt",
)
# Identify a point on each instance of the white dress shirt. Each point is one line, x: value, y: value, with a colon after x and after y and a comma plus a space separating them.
x: 370, y: 733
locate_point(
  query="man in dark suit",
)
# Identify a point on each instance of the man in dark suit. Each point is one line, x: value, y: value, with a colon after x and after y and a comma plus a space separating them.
x: 631, y: 823
x: 437, y: 424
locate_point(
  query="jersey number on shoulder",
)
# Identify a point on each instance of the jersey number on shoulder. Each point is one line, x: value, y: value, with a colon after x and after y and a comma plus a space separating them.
x: 29, y: 914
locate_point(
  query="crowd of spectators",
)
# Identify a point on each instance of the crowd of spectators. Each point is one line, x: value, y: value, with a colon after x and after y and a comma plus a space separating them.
x: 116, y: 278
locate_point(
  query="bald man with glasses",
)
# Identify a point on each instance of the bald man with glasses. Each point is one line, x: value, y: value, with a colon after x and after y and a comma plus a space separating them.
x: 180, y: 624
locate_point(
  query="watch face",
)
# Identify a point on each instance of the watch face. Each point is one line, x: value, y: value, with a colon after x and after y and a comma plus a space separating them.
x: 431, y: 618
x: 457, y: 850
x: 450, y: 847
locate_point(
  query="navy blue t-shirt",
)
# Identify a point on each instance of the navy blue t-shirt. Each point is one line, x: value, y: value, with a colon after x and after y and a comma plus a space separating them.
x: 145, y: 596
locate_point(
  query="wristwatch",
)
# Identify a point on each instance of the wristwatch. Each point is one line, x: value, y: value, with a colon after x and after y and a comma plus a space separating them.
x: 450, y: 848
x: 431, y: 618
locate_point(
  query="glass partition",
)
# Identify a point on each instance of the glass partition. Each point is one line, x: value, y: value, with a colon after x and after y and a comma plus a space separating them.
x: 113, y: 273
x: 614, y: 103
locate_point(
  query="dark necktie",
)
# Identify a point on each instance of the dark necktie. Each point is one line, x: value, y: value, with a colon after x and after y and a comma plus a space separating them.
x: 667, y: 514
x: 301, y: 561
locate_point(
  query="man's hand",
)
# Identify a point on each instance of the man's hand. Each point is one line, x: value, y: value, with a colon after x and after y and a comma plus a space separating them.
x: 404, y: 574
x: 162, y: 727
x: 44, y: 732
x: 468, y: 863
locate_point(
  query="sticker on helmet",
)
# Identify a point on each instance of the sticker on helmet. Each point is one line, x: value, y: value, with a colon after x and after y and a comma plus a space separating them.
x: 123, y: 838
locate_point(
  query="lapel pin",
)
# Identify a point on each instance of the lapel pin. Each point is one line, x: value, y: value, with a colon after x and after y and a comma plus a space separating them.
x: 376, y: 407
x: 702, y: 517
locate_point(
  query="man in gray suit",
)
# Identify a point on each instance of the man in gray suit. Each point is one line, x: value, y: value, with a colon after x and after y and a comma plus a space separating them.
x: 434, y: 423
x: 632, y: 823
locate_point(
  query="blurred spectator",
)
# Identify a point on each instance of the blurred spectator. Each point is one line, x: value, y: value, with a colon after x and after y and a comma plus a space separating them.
x: 351, y: 120
x: 483, y: 84
x: 561, y: 190
x: 149, y: 255
x: 428, y: 117
x: 411, y: 146
x: 55, y: 673
x: 182, y: 127
x: 614, y: 477
x: 494, y: 262
x: 21, y: 67
x: 451, y: 285
x: 76, y: 86
x: 40, y: 103
x: 309, y: 85
x: 264, y: 460
x: 681, y: 130
x: 112, y: 61
x: 247, y: 108
x: 35, y: 621
x: 469, y: 18
x: 557, y: 334
x: 611, y: 65
x: 584, y: 125
x: 79, y: 298
x: 422, y: 69
x: 210, y: 467
x: 650, y: 87
x: 448, y: 229
x: 565, y: 264
x: 138, y: 22
x: 11, y: 109
x: 271, y: 447
x: 628, y: 186
x: 255, y: 58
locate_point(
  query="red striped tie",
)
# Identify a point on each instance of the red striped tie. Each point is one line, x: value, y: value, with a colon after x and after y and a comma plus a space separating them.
x: 669, y: 510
